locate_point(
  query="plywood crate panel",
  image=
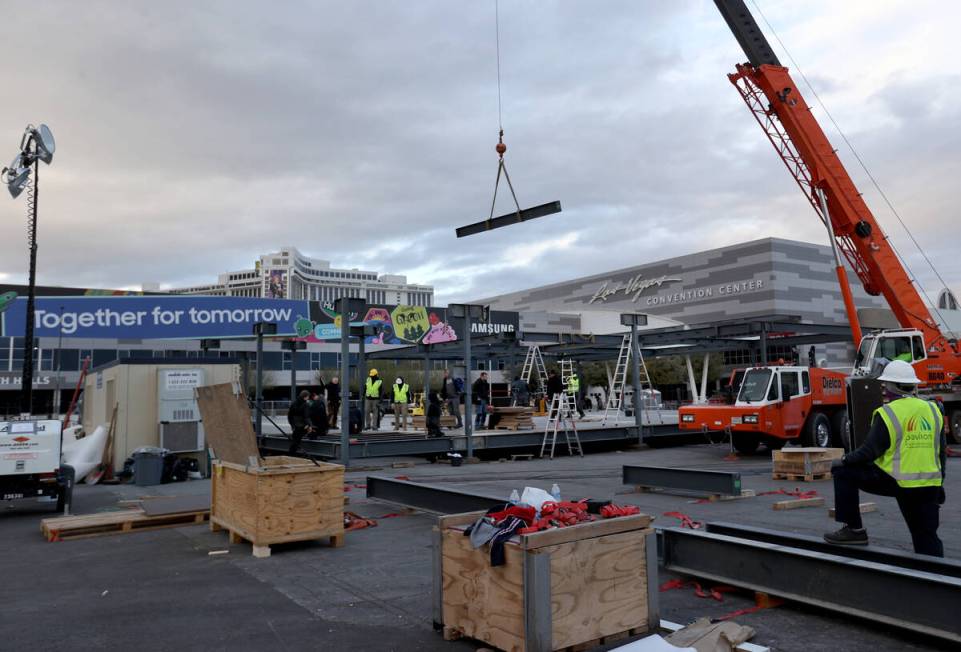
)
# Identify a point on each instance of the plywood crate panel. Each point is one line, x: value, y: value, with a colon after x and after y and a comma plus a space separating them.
x: 805, y: 460
x: 284, y: 499
x: 558, y: 589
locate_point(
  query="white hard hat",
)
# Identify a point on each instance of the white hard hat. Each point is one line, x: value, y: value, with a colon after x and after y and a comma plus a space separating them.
x: 900, y: 372
x: 399, y: 381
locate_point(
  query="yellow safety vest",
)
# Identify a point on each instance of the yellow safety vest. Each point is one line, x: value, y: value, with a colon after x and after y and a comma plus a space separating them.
x: 573, y: 385
x: 400, y: 393
x: 914, y: 457
x: 373, y: 388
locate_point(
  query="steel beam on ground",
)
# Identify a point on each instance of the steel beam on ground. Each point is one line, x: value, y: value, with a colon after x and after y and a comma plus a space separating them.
x: 429, y: 497
x: 887, y: 556
x: 918, y: 601
x: 724, y: 483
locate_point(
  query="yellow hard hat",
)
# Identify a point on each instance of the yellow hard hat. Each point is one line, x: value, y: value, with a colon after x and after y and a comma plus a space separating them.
x: 373, y: 372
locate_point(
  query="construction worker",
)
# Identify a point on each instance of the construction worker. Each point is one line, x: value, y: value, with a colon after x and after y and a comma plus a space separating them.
x: 298, y: 417
x: 904, y: 457
x: 574, y: 392
x: 401, y: 391
x: 372, y: 399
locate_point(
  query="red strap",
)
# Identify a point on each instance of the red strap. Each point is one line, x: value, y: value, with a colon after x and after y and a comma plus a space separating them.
x: 685, y: 520
x: 797, y: 493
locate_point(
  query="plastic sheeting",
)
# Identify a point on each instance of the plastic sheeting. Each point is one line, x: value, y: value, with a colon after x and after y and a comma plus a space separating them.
x: 84, y: 454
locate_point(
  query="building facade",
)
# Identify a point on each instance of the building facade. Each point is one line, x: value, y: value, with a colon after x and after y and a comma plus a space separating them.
x: 288, y: 274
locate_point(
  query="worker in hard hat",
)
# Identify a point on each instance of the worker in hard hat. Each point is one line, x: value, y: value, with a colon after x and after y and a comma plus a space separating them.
x: 904, y: 457
x: 372, y: 389
x: 401, y: 397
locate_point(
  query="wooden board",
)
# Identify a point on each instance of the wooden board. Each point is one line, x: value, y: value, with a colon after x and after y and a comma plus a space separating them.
x: 799, y: 503
x: 121, y: 521
x: 482, y: 602
x: 598, y: 587
x: 813, y: 477
x: 227, y: 425
x: 590, y: 530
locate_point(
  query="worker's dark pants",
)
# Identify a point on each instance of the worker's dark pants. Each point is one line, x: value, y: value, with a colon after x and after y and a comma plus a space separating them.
x: 919, y: 505
x: 296, y: 436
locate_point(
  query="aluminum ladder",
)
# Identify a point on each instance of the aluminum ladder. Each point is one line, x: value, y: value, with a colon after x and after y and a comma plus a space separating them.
x: 615, y: 393
x: 561, y: 416
x: 534, y: 363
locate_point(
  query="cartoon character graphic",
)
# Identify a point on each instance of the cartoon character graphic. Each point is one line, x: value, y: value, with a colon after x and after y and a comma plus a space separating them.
x: 328, y: 309
x: 6, y: 300
x: 410, y: 322
x: 377, y: 314
x: 439, y: 331
x: 386, y: 334
x: 303, y: 326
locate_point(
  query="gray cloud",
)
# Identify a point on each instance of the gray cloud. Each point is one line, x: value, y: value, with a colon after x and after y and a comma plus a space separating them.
x: 193, y: 137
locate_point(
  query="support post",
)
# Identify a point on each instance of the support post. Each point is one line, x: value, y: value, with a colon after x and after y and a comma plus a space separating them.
x: 468, y: 402
x: 26, y: 381
x: 763, y: 342
x: 345, y: 388
x: 361, y: 371
x: 261, y: 328
x: 633, y: 320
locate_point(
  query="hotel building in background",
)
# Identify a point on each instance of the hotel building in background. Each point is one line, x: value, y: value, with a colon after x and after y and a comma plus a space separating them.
x: 288, y: 274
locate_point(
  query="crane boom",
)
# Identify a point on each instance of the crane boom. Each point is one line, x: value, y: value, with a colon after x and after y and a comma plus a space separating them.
x: 778, y: 106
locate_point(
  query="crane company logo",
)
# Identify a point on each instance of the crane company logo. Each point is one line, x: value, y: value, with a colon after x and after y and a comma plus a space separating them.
x: 633, y: 287
x: 918, y: 423
x: 21, y: 439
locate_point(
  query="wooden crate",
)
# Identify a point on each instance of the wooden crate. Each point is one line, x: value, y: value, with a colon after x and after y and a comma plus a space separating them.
x: 558, y: 589
x: 804, y: 463
x: 285, y: 499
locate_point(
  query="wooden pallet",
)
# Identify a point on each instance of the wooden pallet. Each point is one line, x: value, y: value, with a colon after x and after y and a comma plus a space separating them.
x: 62, y: 528
x: 794, y: 477
x: 455, y: 634
x: 804, y: 461
x: 263, y: 551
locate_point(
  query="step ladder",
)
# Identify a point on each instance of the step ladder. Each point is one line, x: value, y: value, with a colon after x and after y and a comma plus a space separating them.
x: 619, y: 381
x: 534, y: 363
x: 561, y: 419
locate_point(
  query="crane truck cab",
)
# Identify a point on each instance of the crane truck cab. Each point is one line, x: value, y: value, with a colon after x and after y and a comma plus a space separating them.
x: 30, y: 462
x: 775, y: 405
x: 899, y: 344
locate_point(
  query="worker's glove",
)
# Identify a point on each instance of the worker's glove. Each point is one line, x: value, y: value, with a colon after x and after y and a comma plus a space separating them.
x: 941, y: 496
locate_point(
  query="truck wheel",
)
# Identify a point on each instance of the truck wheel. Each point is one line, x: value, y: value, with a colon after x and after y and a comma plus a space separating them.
x: 817, y: 431
x: 954, y: 419
x: 841, y: 427
x: 746, y: 444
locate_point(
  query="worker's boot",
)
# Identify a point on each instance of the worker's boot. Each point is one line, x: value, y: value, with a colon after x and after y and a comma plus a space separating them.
x: 847, y: 536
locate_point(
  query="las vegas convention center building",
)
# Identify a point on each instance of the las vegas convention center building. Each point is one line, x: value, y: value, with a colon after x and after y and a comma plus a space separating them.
x: 761, y: 278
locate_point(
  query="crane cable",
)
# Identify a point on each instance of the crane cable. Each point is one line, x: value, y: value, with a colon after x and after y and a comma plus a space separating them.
x: 874, y: 182
x: 501, y: 148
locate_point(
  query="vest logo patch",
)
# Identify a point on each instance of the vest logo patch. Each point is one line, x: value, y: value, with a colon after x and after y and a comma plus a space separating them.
x: 916, y: 423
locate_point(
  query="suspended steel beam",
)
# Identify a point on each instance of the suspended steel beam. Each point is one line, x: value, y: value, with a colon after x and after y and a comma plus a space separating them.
x: 510, y: 218
x: 925, y: 602
x: 725, y: 483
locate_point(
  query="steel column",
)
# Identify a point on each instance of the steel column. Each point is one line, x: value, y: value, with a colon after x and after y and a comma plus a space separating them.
x: 725, y: 483
x: 468, y: 404
x: 345, y: 389
x: 636, y: 384
x: 259, y: 386
x: 918, y: 601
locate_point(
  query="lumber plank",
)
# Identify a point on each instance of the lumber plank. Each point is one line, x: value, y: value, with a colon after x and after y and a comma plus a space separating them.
x: 798, y: 503
x: 585, y: 531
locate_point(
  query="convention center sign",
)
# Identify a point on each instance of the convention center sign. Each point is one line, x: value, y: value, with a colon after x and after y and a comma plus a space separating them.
x: 206, y: 317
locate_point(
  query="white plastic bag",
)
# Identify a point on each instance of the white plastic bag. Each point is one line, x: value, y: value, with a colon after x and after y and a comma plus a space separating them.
x: 535, y: 497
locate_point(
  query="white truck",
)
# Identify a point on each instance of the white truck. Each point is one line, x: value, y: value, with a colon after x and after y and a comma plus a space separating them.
x: 30, y: 462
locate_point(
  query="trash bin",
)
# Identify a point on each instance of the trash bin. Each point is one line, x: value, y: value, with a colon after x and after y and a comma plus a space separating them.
x: 148, y: 466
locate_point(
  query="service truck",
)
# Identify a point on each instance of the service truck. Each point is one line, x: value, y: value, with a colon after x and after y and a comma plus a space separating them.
x: 30, y: 464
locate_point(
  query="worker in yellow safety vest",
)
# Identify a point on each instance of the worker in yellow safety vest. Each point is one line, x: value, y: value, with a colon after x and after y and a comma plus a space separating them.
x: 372, y: 400
x: 904, y: 457
x: 574, y: 390
x: 401, y: 399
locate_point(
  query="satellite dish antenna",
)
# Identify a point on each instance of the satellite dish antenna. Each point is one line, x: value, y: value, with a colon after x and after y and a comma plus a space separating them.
x: 15, y: 176
x: 46, y: 145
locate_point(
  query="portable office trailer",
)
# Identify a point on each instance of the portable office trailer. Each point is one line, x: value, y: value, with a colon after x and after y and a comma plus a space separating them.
x: 154, y: 399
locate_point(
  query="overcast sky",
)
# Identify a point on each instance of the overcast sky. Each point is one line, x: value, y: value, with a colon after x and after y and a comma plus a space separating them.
x: 193, y: 136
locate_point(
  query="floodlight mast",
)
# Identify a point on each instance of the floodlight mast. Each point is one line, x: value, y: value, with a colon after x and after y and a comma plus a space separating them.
x: 36, y: 144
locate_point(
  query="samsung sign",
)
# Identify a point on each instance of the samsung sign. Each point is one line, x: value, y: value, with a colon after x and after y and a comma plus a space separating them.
x: 153, y: 317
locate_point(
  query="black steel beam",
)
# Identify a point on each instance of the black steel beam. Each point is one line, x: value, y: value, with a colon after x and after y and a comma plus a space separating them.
x: 429, y: 497
x: 887, y: 556
x: 749, y: 36
x: 725, y: 483
x: 510, y: 218
x: 921, y: 602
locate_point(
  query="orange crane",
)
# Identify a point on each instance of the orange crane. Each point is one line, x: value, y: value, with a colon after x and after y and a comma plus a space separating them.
x: 778, y: 106
x: 786, y: 119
